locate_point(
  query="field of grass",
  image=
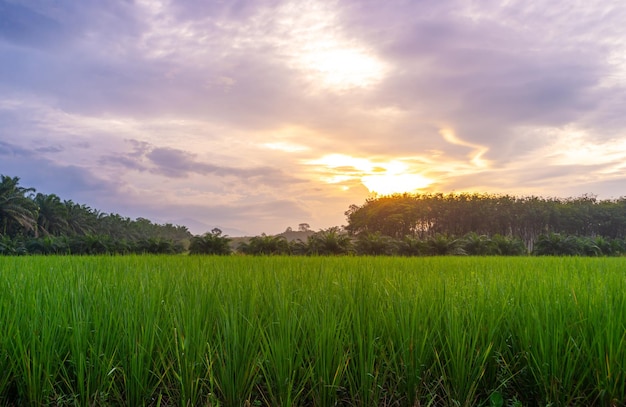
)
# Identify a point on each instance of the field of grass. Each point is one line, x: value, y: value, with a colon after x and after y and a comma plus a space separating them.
x: 296, y: 331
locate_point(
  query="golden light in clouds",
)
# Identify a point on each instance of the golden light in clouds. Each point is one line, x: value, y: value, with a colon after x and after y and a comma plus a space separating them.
x: 387, y: 184
x: 315, y: 44
x: 380, y: 177
x: 342, y: 67
x: 476, y: 156
x: 285, y: 146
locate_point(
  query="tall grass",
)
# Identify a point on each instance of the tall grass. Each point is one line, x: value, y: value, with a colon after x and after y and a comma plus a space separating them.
x: 295, y: 331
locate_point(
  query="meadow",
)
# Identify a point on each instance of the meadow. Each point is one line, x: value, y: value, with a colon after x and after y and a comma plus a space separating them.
x: 312, y: 331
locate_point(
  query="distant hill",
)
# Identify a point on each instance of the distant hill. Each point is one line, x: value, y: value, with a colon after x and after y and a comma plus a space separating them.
x: 291, y: 236
x: 296, y: 234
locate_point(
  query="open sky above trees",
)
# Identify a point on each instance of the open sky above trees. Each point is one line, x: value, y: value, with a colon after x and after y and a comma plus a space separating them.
x: 253, y: 116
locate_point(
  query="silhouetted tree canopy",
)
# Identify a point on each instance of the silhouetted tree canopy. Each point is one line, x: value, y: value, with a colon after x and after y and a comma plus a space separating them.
x: 424, y: 216
x: 37, y: 223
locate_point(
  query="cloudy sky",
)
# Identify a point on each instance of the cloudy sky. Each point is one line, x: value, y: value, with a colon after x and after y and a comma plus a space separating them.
x: 256, y: 115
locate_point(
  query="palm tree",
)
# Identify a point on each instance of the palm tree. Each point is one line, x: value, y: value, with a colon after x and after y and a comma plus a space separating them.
x: 266, y: 245
x: 329, y: 241
x: 81, y: 219
x: 411, y: 246
x: 440, y: 245
x: 508, y: 245
x: 17, y: 212
x: 52, y: 215
x: 375, y: 244
x: 210, y: 243
x: 478, y: 245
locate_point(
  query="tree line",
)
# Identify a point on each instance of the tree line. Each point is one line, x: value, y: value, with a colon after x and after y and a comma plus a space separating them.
x: 36, y: 223
x: 401, y: 224
x: 335, y: 241
x: 526, y: 218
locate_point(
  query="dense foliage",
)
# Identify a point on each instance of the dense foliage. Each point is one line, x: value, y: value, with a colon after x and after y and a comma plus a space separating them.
x: 405, y: 225
x: 210, y: 243
x: 527, y: 218
x: 37, y: 223
x: 318, y: 331
x: 334, y: 241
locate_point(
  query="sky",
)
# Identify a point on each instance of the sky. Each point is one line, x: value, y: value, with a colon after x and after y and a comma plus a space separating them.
x: 257, y: 115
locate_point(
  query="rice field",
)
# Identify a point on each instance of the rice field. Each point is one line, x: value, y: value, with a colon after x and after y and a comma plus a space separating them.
x: 312, y: 331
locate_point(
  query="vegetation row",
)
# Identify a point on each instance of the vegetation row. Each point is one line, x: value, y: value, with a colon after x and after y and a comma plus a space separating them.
x: 27, y: 214
x: 312, y: 331
x: 408, y: 225
x: 335, y: 242
x: 323, y: 243
x: 525, y: 218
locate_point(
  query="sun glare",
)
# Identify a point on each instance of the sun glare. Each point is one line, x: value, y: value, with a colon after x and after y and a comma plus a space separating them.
x: 379, y: 177
x: 316, y: 45
x: 342, y: 68
x: 387, y: 184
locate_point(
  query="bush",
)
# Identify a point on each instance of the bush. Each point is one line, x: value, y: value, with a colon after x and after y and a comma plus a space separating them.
x: 210, y: 243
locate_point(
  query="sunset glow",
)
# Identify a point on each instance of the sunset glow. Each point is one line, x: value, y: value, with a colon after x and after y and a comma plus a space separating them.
x: 343, y: 68
x: 388, y: 184
x: 257, y: 116
x: 379, y: 177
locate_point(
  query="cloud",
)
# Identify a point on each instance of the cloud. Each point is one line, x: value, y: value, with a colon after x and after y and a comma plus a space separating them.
x: 9, y: 150
x: 178, y: 163
x: 486, y: 70
x: 219, y: 108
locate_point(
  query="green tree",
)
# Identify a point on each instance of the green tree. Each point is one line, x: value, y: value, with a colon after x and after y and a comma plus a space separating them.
x: 210, y: 243
x: 51, y: 215
x: 266, y: 245
x: 18, y: 213
x: 478, y: 245
x: 556, y: 244
x: 81, y: 219
x: 411, y: 246
x: 375, y: 244
x: 330, y: 241
x: 508, y: 246
x: 441, y: 245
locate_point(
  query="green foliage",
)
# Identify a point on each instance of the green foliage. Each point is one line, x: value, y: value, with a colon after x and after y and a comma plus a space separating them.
x: 410, y: 246
x: 425, y: 216
x: 508, y: 246
x: 12, y: 247
x: 441, y: 245
x: 67, y: 227
x: 52, y: 217
x: 17, y: 211
x: 210, y: 243
x: 555, y: 244
x: 266, y: 245
x: 330, y: 241
x: 237, y: 330
x: 375, y: 244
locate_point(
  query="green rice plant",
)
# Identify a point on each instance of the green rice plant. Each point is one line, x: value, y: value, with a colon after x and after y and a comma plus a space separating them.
x: 465, y: 339
x: 232, y: 331
x: 237, y: 346
x: 326, y: 344
x: 284, y: 369
x: 547, y: 335
x: 411, y: 322
x: 141, y: 313
x: 194, y: 313
x: 365, y: 299
x: 38, y: 345
x: 7, y: 321
x: 237, y: 357
x: 88, y: 373
x: 603, y: 305
x: 463, y: 358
